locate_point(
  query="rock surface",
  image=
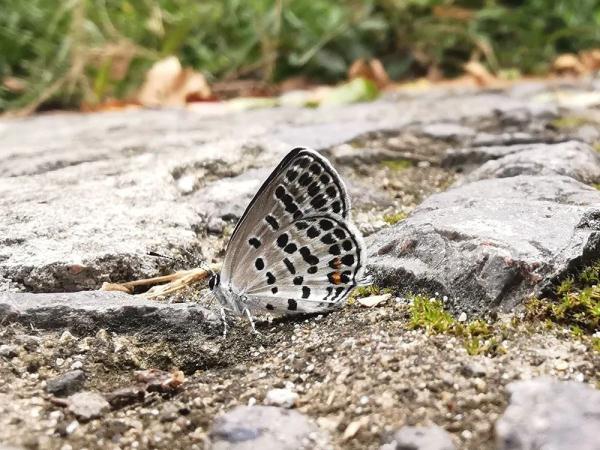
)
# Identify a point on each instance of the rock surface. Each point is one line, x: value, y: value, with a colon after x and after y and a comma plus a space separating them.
x: 265, y: 427
x: 420, y: 438
x: 87, y: 311
x: 87, y: 405
x: 117, y: 185
x: 491, y: 243
x: 573, y: 159
x: 550, y: 414
x: 66, y: 384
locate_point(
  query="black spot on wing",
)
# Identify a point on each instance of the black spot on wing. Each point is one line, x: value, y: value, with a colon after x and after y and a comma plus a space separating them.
x: 308, y: 257
x: 348, y: 260
x: 254, y: 242
x: 272, y: 221
x: 282, y: 240
x: 259, y: 264
x: 290, y: 266
x: 292, y: 304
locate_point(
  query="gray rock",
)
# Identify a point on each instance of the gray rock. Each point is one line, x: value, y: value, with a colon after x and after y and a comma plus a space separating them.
x: 88, y: 311
x: 573, y: 159
x: 267, y: 428
x: 419, y: 438
x: 117, y: 185
x: 87, y: 405
x: 491, y: 243
x: 66, y: 384
x: 550, y: 414
x: 447, y: 131
x: 9, y: 350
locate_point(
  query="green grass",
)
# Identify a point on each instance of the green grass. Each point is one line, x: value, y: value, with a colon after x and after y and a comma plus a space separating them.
x: 478, y: 336
x: 397, y: 164
x: 577, y: 304
x: 65, y: 53
x: 394, y: 218
x: 368, y: 291
x: 429, y: 314
x: 570, y: 122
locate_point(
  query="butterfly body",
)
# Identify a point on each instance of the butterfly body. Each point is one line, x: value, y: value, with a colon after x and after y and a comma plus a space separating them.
x: 294, y: 250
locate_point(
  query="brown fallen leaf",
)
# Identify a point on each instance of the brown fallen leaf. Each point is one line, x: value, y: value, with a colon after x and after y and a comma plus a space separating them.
x: 479, y: 73
x: 453, y: 12
x: 590, y: 59
x: 372, y: 70
x: 14, y: 84
x: 169, y: 84
x: 568, y: 64
x: 111, y: 105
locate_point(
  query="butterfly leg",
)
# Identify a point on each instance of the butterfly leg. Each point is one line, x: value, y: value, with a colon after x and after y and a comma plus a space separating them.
x: 224, y: 320
x: 247, y: 311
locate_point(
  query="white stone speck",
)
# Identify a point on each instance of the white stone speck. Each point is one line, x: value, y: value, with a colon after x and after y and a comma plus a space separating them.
x: 281, y: 397
x: 71, y: 427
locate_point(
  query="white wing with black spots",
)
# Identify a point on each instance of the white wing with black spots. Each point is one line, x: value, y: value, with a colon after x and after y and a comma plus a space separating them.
x: 318, y: 261
x: 303, y: 184
x: 293, y: 250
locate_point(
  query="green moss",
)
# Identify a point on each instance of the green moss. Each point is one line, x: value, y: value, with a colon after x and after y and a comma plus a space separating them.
x: 394, y: 218
x: 597, y: 147
x: 429, y: 314
x: 577, y: 305
x: 397, y: 164
x: 478, y: 336
x: 569, y: 122
x: 367, y: 291
x: 596, y: 344
x: 596, y: 185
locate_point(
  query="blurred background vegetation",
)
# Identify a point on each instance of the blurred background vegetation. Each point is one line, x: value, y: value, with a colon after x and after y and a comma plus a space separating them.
x: 65, y: 53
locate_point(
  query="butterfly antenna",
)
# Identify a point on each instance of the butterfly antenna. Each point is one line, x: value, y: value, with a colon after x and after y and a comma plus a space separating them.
x: 198, y: 262
x: 158, y: 255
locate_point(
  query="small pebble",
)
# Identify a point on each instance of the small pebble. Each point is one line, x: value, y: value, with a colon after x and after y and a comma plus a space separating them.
x: 281, y: 397
x: 9, y: 351
x: 561, y: 365
x: 88, y: 405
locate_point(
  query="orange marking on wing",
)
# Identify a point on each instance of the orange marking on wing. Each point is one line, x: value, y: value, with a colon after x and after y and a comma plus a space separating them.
x: 336, y: 277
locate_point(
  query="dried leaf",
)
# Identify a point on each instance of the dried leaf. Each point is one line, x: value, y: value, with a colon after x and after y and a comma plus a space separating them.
x: 481, y: 75
x: 590, y: 59
x: 374, y: 300
x: 14, y: 84
x: 372, y: 70
x: 453, y: 12
x: 568, y: 63
x: 169, y: 84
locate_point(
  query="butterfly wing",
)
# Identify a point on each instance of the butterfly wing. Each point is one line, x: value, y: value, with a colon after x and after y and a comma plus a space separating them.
x: 316, y: 261
x: 303, y: 184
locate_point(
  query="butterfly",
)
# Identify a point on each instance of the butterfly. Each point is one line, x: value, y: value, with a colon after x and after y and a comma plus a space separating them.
x: 293, y: 250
